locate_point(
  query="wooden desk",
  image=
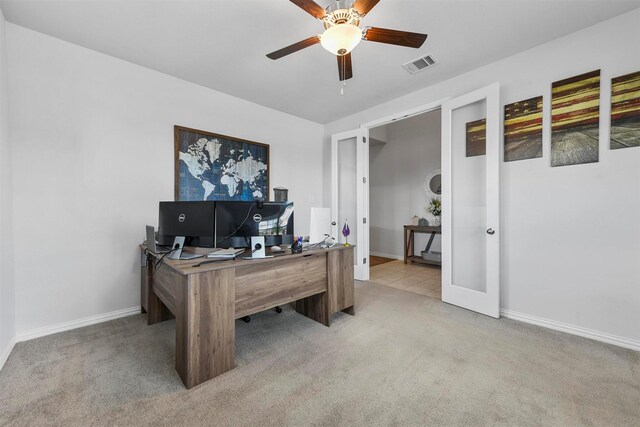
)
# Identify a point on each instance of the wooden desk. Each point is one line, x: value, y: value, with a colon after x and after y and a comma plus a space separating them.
x: 409, y: 231
x: 206, y: 300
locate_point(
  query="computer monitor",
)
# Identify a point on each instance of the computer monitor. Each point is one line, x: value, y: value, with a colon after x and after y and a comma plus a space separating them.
x: 193, y: 220
x: 237, y: 221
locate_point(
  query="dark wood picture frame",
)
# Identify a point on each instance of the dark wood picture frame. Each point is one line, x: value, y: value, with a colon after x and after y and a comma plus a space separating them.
x: 209, y: 135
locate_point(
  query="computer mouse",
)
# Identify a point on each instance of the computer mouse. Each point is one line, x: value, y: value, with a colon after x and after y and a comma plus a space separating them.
x: 276, y: 249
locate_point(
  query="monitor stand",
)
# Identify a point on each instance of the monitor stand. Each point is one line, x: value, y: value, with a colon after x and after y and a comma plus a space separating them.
x: 257, y: 248
x: 179, y: 253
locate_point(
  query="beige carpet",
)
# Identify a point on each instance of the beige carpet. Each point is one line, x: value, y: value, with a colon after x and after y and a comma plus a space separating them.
x: 404, y: 359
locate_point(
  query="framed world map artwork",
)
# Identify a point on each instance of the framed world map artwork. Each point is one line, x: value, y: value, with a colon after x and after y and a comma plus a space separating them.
x: 209, y: 166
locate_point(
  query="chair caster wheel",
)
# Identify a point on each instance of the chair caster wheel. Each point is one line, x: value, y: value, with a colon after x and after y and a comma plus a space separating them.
x: 278, y: 310
x: 246, y: 319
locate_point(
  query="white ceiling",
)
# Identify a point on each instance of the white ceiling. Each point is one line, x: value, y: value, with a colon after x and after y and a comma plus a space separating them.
x: 222, y: 44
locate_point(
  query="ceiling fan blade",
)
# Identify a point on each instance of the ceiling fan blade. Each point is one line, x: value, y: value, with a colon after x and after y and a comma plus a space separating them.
x: 364, y: 6
x: 294, y: 48
x: 400, y: 38
x: 345, y: 72
x: 311, y: 7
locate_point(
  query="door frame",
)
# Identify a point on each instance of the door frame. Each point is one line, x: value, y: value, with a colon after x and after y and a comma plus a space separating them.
x: 425, y: 108
x: 361, y: 264
x: 365, y: 127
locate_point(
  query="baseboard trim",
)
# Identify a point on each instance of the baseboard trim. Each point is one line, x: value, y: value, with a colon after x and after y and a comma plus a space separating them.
x: 6, y: 352
x: 75, y: 324
x: 572, y: 329
x: 380, y: 254
x: 510, y: 314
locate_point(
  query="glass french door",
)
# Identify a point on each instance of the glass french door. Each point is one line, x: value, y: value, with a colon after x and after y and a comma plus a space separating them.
x: 349, y: 194
x: 470, y: 201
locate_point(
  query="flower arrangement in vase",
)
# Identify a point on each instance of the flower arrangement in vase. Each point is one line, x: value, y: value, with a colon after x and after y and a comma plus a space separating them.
x: 435, y: 208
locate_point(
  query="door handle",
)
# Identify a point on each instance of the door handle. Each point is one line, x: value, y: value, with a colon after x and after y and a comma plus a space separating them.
x: 491, y: 231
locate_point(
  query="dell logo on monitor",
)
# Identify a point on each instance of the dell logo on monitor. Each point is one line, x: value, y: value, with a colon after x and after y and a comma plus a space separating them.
x: 257, y: 217
x: 182, y: 217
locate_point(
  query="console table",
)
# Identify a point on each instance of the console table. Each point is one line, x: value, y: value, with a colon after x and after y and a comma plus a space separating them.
x: 409, y: 231
x: 207, y: 300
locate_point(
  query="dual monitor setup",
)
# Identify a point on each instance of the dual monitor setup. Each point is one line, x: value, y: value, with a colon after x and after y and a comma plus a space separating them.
x: 223, y: 224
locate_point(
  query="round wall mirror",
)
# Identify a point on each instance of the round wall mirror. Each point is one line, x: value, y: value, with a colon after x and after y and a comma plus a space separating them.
x: 433, y: 183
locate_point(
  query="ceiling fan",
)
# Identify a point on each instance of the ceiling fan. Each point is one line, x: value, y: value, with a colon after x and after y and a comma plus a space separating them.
x: 342, y: 33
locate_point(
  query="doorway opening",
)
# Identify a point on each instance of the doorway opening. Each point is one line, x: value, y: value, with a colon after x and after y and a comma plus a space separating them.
x: 404, y: 178
x: 470, y: 212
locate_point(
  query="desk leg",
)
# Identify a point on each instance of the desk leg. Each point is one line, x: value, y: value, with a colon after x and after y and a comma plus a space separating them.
x: 145, y: 281
x: 412, y: 243
x: 433, y: 234
x: 156, y: 310
x: 205, y: 327
x: 350, y: 310
x: 408, y: 252
x: 314, y: 307
x: 406, y: 248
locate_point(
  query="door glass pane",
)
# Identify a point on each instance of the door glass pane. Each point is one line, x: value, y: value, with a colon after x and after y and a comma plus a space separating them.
x: 347, y: 184
x: 468, y: 196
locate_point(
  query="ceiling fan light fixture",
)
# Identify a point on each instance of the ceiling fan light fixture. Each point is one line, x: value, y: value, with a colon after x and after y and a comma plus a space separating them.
x: 340, y: 39
x: 342, y: 33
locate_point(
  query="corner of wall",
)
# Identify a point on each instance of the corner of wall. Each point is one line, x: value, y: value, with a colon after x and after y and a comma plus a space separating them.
x: 6, y: 351
x: 7, y: 283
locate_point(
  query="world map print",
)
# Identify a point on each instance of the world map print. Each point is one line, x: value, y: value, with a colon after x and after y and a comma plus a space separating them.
x: 217, y: 167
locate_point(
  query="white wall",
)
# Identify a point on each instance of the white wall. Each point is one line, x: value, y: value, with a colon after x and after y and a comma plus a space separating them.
x: 397, y: 170
x: 92, y: 156
x: 7, y: 288
x: 570, y: 235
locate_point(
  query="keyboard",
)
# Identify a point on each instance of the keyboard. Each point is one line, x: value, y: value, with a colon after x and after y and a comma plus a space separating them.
x: 189, y: 255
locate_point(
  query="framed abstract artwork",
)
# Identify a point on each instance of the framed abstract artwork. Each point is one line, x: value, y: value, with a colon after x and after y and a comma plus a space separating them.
x: 523, y: 130
x: 625, y: 111
x: 210, y: 166
x: 575, y: 117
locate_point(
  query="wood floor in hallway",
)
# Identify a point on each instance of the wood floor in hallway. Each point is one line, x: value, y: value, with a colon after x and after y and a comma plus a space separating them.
x: 417, y: 278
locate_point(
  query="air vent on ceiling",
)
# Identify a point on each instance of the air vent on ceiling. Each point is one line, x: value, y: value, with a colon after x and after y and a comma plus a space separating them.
x: 420, y: 64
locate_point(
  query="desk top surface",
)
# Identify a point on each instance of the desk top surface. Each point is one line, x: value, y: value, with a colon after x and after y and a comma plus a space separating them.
x: 187, y: 266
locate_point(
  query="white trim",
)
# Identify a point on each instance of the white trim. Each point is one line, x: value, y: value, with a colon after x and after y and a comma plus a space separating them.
x: 74, y: 324
x: 425, y: 108
x: 364, y: 168
x: 572, y: 329
x: 7, y: 351
x: 380, y: 254
x: 361, y: 135
x: 366, y: 268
